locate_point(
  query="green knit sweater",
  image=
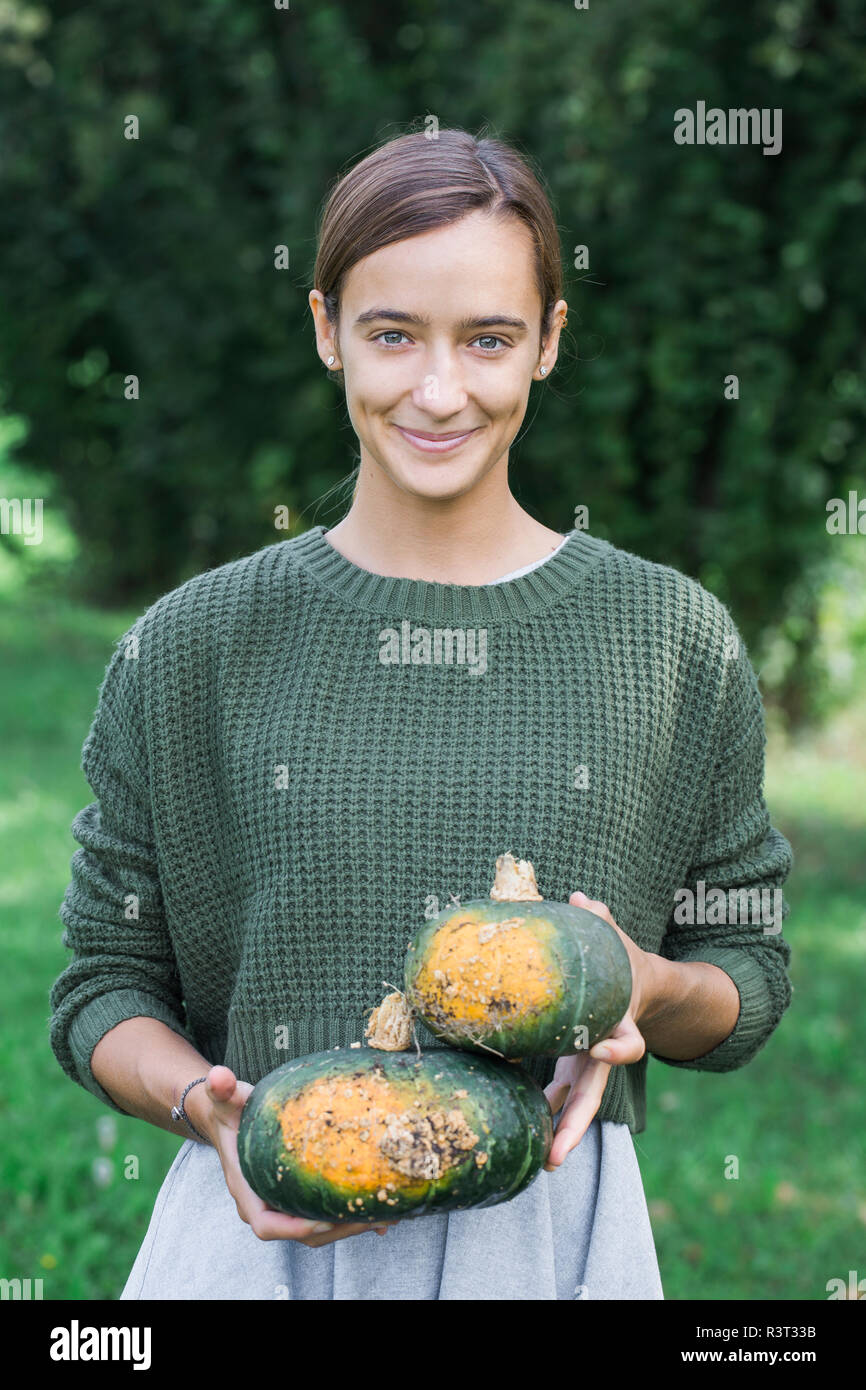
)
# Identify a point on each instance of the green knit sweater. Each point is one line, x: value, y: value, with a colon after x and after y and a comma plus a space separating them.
x: 296, y: 760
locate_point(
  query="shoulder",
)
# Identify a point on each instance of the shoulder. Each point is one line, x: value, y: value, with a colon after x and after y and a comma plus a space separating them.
x: 668, y: 603
x: 216, y: 596
x: 683, y: 637
x: 217, y: 602
x: 187, y: 634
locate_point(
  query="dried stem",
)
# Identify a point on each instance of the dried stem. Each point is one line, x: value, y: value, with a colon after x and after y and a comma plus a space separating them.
x: 515, y: 881
x: 391, y: 1025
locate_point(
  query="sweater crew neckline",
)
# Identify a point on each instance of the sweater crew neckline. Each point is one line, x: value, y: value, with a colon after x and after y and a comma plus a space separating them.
x: 504, y: 601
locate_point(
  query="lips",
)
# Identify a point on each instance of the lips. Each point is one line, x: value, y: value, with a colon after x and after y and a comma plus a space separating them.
x: 431, y: 443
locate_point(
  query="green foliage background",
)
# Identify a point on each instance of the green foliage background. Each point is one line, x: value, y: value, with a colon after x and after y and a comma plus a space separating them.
x: 156, y: 257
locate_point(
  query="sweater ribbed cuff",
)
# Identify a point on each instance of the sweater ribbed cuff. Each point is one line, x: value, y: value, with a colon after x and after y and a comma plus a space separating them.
x: 101, y: 1015
x: 755, y: 1021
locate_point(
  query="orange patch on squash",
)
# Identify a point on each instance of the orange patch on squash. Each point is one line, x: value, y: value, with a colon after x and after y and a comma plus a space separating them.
x: 368, y: 1133
x: 477, y: 971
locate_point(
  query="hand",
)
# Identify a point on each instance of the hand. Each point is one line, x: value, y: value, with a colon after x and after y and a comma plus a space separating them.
x: 225, y: 1099
x: 579, y: 1081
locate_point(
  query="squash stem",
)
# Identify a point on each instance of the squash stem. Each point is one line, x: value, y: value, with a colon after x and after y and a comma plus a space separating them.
x: 515, y: 881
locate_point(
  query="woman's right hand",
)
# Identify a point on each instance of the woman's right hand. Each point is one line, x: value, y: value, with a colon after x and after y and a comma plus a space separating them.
x: 218, y: 1115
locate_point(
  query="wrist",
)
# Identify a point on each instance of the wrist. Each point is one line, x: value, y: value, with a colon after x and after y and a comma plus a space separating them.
x: 655, y: 987
x: 199, y: 1107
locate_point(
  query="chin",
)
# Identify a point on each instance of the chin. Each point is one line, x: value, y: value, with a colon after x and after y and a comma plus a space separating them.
x: 439, y: 481
x: 439, y: 477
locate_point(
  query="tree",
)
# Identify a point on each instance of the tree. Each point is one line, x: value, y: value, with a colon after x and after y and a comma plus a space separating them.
x: 154, y: 258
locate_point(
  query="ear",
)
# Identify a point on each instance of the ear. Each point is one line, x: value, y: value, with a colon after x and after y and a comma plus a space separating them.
x: 550, y: 346
x: 326, y: 332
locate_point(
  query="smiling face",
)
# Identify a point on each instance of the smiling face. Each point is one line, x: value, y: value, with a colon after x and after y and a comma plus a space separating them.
x: 439, y: 336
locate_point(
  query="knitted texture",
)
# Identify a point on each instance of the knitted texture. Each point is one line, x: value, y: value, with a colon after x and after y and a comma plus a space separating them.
x: 295, y: 761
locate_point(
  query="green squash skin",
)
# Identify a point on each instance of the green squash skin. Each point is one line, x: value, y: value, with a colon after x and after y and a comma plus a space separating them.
x: 504, y: 1106
x: 586, y: 953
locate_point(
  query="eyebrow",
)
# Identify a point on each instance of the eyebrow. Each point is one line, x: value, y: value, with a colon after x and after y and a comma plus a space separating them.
x: 400, y: 316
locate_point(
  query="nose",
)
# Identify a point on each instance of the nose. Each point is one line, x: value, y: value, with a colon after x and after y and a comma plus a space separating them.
x: 440, y: 391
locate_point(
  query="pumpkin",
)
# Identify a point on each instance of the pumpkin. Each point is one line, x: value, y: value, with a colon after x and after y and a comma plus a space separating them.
x: 518, y: 975
x: 366, y: 1135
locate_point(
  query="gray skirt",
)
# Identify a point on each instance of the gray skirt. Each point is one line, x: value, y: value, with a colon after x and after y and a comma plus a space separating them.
x: 580, y: 1232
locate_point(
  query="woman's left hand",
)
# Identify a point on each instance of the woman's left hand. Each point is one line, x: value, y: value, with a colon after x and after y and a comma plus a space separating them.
x: 579, y: 1081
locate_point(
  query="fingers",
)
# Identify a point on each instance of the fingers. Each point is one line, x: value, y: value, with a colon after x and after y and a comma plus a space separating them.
x: 274, y: 1225
x: 556, y: 1093
x: 566, y: 1073
x: 268, y: 1224
x: 625, y: 1044
x: 342, y: 1232
x: 222, y: 1086
x: 264, y: 1221
x: 592, y: 905
x: 227, y: 1096
x: 578, y: 1112
x: 640, y: 962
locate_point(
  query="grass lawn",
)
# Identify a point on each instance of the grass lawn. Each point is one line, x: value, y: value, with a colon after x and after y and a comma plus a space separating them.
x: 793, y: 1118
x: 77, y: 1182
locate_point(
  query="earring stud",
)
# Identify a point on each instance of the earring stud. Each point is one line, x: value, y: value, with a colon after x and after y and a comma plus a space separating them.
x: 543, y: 370
x: 331, y: 360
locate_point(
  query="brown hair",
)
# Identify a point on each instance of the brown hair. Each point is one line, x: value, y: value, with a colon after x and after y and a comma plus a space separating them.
x: 413, y: 184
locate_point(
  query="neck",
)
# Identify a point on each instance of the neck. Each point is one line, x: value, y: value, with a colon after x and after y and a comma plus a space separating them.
x: 471, y: 539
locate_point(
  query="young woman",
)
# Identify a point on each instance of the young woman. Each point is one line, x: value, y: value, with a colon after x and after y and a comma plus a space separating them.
x: 286, y: 777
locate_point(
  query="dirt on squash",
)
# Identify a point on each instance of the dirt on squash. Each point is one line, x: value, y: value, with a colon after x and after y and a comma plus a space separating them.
x: 371, y: 1133
x: 478, y: 975
x: 426, y: 1146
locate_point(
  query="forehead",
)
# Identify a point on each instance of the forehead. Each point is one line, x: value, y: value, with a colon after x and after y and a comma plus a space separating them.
x: 481, y: 258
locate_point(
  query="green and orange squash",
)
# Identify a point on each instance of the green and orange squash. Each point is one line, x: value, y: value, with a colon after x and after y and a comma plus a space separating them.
x: 517, y: 975
x: 371, y: 1135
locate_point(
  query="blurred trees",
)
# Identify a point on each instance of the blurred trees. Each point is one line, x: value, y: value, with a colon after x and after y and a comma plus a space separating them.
x: 155, y: 257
